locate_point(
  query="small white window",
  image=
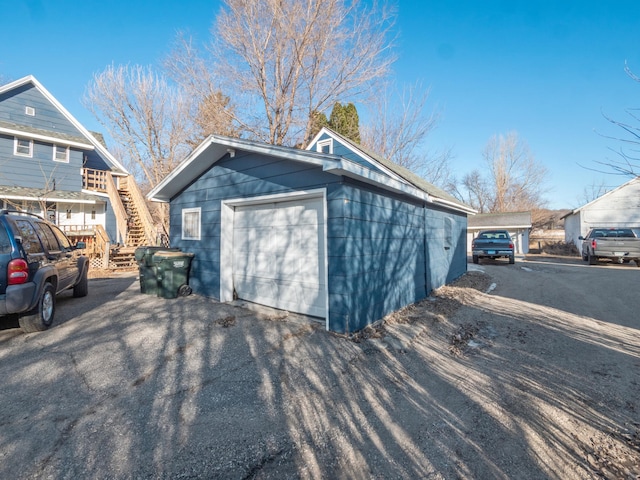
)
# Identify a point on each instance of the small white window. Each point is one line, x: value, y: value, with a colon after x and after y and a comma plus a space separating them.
x: 60, y: 154
x: 191, y: 223
x: 30, y: 111
x: 325, y: 146
x: 23, y: 147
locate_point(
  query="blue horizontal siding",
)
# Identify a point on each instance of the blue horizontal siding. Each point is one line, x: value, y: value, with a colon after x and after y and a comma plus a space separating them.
x: 94, y: 161
x: 344, y: 151
x: 47, y: 117
x: 40, y: 170
x: 232, y: 178
x: 383, y: 250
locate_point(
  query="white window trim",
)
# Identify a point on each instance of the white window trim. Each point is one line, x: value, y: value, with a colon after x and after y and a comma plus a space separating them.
x: 324, y: 143
x: 186, y: 211
x: 55, y: 151
x: 30, y: 111
x: 20, y: 154
x: 227, y: 214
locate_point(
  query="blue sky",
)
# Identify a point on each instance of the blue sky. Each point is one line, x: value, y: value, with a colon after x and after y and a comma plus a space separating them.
x: 545, y: 69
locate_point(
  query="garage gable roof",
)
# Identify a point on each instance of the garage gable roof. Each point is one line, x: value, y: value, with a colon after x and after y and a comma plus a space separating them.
x: 500, y: 220
x: 392, y: 169
x: 611, y: 192
x: 216, y: 147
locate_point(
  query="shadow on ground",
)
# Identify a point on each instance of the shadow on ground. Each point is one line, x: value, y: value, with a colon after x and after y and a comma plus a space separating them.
x: 133, y: 386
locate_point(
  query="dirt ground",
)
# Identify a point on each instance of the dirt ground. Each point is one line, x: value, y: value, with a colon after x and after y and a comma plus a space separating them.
x: 574, y: 400
x: 525, y: 371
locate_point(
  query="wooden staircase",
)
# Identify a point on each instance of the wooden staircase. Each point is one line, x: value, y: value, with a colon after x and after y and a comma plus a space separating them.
x: 139, y: 225
x: 134, y: 225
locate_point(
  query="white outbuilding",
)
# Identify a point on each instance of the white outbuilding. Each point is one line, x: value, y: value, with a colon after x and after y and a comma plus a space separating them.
x: 618, y: 208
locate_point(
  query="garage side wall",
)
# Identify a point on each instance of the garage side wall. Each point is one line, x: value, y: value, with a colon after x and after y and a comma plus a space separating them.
x: 386, y: 253
x: 446, y: 246
x: 243, y: 176
x: 572, y: 230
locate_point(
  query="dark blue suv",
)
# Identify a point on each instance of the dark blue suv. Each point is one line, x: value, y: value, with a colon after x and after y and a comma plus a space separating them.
x: 37, y: 261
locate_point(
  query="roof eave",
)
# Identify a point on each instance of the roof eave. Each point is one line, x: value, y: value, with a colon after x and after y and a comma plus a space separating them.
x: 494, y: 227
x: 218, y: 146
x: 45, y: 138
x: 196, y: 163
x: 353, y: 170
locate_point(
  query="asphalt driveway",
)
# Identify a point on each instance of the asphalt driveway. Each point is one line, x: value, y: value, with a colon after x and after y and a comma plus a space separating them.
x: 524, y: 382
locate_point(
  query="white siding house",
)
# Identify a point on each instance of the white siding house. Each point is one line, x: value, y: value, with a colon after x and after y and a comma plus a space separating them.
x: 618, y: 208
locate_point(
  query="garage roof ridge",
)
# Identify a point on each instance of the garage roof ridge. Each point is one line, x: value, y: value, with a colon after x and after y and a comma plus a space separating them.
x: 196, y: 163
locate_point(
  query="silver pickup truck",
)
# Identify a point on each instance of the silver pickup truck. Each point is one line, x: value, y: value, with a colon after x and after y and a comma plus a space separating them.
x: 620, y: 245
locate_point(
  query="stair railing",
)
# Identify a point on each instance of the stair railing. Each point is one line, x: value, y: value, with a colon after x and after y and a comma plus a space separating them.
x: 118, y: 209
x: 140, y: 206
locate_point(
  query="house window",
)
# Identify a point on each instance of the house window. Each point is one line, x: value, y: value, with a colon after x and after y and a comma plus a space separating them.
x: 23, y: 147
x: 68, y: 214
x: 93, y: 214
x: 191, y: 223
x: 60, y: 154
x: 30, y: 111
x: 325, y: 146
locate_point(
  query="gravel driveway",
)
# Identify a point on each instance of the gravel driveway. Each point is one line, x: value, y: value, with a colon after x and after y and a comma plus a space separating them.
x: 539, y: 378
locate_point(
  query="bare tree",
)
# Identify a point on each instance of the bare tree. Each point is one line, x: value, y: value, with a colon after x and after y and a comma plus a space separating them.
x: 282, y: 60
x: 477, y: 191
x: 209, y: 108
x: 149, y: 120
x: 627, y: 160
x: 517, y: 178
x: 593, y: 191
x: 398, y: 129
x: 514, y: 180
x: 145, y: 115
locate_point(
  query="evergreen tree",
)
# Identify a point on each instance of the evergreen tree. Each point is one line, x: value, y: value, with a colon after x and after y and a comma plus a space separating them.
x: 318, y: 120
x: 345, y: 121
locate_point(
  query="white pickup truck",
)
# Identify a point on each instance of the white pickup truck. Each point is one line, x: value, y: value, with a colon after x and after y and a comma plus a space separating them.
x: 620, y: 245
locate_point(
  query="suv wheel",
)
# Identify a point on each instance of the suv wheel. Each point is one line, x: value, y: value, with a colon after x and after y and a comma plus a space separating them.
x: 81, y: 289
x: 41, y: 317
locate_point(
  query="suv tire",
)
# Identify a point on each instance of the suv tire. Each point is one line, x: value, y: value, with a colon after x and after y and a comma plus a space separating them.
x: 81, y: 289
x: 41, y: 317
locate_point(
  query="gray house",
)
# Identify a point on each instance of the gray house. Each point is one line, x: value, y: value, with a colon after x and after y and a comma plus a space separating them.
x: 618, y: 208
x: 332, y: 231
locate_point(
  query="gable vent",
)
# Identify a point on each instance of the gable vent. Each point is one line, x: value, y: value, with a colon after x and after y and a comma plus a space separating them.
x: 30, y: 111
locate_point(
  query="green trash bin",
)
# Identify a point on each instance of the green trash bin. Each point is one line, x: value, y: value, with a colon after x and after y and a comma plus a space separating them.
x: 172, y: 272
x: 146, y: 269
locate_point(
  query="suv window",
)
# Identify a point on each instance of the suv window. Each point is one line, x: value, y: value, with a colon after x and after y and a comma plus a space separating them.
x: 47, y: 237
x: 5, y: 244
x: 30, y: 241
x: 62, y: 238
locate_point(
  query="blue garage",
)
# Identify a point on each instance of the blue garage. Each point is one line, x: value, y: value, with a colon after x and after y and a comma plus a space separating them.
x: 332, y: 231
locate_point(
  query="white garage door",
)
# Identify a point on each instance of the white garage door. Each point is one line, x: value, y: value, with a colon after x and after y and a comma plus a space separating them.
x: 278, y: 255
